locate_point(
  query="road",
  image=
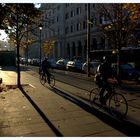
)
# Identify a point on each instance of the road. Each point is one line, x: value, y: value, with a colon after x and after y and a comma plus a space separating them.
x: 73, y: 80
x: 85, y: 84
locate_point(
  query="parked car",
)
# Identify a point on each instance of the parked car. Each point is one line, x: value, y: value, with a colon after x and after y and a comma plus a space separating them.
x: 61, y: 64
x: 35, y: 62
x: 29, y: 61
x: 52, y: 63
x: 93, y: 67
x: 75, y: 65
x: 127, y: 72
x: 22, y: 60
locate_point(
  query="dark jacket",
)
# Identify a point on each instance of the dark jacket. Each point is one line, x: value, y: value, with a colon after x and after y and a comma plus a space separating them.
x: 45, y: 65
x: 105, y: 71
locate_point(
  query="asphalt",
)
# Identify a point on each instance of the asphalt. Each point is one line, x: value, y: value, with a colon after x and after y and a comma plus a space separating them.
x: 38, y: 111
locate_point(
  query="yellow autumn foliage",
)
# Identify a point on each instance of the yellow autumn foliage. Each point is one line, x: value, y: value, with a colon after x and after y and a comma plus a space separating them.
x: 48, y: 47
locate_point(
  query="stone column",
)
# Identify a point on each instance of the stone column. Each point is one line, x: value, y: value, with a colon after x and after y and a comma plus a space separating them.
x: 71, y: 51
x: 83, y: 51
x: 98, y: 43
x: 106, y: 43
x: 76, y: 49
x: 59, y: 49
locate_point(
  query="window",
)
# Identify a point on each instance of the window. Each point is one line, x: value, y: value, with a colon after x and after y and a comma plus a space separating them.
x: 46, y: 25
x: 46, y: 16
x: 72, y: 28
x: 53, y: 21
x: 85, y: 7
x: 84, y: 24
x: 57, y: 18
x: 53, y: 32
x: 46, y: 35
x: 67, y: 4
x: 78, y: 10
x: 104, y: 20
x: 100, y: 19
x: 58, y: 31
x: 58, y: 7
x: 102, y: 43
x: 67, y: 30
x: 78, y: 26
x: 93, y: 19
x: 53, y: 10
x: 67, y: 16
x: 49, y: 33
x: 72, y: 13
x: 49, y: 22
x: 93, y: 5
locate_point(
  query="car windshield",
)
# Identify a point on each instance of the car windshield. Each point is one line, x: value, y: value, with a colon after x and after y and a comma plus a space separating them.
x: 126, y: 66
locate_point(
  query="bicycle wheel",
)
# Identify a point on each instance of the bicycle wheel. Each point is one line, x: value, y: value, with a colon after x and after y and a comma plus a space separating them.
x: 52, y: 81
x: 94, y: 98
x: 42, y: 78
x: 118, y: 105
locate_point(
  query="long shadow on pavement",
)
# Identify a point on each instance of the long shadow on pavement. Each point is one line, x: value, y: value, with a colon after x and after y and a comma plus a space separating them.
x: 54, y: 129
x: 127, y: 128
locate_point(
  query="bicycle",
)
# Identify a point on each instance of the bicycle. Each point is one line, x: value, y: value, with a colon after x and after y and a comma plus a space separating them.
x: 116, y: 103
x: 44, y: 80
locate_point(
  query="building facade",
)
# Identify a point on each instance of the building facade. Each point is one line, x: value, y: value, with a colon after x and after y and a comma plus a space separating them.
x: 67, y: 24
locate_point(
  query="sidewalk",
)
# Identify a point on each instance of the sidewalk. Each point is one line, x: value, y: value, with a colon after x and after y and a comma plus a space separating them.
x: 41, y: 111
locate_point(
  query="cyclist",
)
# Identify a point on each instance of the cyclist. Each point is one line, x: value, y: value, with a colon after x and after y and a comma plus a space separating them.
x: 104, y: 72
x: 45, y: 68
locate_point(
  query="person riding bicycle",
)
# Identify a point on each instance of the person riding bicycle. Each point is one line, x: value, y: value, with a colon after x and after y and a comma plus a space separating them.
x: 104, y: 72
x: 45, y: 68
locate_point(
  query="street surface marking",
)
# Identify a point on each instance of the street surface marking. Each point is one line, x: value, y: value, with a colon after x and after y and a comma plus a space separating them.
x: 32, y: 86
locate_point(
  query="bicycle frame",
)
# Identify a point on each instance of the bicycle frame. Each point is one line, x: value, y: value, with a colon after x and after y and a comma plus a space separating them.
x: 44, y: 80
x: 117, y: 103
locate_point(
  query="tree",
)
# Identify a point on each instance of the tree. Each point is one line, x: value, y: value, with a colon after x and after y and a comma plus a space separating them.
x: 18, y: 17
x: 48, y: 47
x: 118, y: 23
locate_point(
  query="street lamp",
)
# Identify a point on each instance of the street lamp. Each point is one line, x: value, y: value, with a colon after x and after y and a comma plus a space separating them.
x: 116, y: 51
x: 88, y: 41
x: 40, y: 56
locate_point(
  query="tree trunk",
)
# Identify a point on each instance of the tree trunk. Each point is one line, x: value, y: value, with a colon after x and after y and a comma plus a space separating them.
x: 18, y: 45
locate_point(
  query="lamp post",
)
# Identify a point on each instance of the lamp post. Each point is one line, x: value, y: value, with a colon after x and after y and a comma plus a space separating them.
x: 40, y: 55
x: 117, y: 51
x: 88, y: 41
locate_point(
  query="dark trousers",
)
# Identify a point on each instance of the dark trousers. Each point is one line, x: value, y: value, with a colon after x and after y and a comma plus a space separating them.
x: 105, y: 87
x: 48, y: 75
